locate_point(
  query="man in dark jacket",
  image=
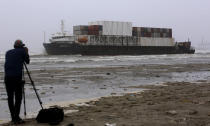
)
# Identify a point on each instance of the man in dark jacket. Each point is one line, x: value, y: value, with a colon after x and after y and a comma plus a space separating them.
x: 13, y: 67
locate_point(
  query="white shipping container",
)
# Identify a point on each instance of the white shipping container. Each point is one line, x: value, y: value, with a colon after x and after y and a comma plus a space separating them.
x: 124, y: 28
x: 115, y: 27
x: 120, y: 28
x: 146, y: 41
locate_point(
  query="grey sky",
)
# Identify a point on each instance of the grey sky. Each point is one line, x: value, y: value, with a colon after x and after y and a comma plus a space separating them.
x: 28, y: 19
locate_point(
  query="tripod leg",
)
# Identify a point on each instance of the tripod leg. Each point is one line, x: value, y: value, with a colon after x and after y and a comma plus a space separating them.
x: 24, y: 101
x: 32, y: 83
x: 23, y: 92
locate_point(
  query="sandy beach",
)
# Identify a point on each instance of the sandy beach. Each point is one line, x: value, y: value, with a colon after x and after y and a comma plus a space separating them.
x: 174, y: 104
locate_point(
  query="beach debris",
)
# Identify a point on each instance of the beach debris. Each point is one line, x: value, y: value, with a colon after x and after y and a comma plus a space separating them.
x: 110, y: 124
x: 150, y: 103
x: 3, y: 94
x: 157, y: 76
x: 75, y: 87
x: 131, y: 98
x: 113, y: 93
x: 82, y: 104
x: 108, y: 73
x: 171, y: 112
x: 202, y: 81
x: 43, y: 93
x: 71, y: 124
x: 42, y: 70
x: 54, y: 106
x: 3, y: 99
x: 195, y: 102
x: 103, y: 88
x: 70, y: 111
x: 97, y: 110
x: 192, y: 112
x: 2, y: 121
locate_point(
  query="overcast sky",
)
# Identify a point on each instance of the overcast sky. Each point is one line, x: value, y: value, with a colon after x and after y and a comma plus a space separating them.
x: 28, y: 19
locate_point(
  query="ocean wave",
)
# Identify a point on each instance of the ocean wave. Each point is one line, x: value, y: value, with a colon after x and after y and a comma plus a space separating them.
x: 86, y: 59
x: 115, y: 60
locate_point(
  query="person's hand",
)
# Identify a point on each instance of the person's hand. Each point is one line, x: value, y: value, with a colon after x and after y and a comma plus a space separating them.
x: 26, y: 49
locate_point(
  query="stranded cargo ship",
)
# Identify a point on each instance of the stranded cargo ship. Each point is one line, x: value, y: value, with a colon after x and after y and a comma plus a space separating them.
x: 116, y: 38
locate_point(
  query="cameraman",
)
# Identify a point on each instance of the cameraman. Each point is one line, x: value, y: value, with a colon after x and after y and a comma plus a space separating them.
x: 13, y: 67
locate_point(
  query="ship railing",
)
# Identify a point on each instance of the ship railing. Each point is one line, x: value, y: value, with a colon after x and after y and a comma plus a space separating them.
x: 70, y: 42
x: 61, y: 39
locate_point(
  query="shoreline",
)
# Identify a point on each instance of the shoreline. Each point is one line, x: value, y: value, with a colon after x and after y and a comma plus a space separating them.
x: 179, y: 103
x: 65, y: 104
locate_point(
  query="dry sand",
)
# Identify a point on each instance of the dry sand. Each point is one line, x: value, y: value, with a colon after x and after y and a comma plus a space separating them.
x: 174, y: 104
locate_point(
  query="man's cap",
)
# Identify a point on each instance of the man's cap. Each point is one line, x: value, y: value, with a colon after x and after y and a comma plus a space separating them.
x: 18, y: 43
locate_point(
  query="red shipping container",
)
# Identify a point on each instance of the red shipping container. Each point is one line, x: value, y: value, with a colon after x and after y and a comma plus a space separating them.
x: 161, y: 35
x: 134, y: 28
x: 149, y: 34
x: 170, y: 31
x: 152, y: 30
x: 158, y: 30
x: 170, y: 35
x: 92, y: 32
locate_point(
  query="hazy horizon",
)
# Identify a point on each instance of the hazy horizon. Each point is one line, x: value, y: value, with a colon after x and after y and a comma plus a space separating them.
x: 28, y: 20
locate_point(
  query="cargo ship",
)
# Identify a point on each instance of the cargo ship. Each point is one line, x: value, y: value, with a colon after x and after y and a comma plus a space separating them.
x: 115, y: 38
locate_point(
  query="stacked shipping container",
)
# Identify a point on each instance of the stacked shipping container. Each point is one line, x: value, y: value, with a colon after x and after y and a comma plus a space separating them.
x: 121, y: 29
x: 150, y: 41
x: 152, y: 32
x: 80, y: 30
x: 122, y: 34
x: 87, y: 30
x: 95, y: 30
x: 115, y: 27
x: 109, y: 40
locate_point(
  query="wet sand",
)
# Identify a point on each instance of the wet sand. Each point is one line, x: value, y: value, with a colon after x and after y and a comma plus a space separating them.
x: 172, y: 104
x: 184, y: 99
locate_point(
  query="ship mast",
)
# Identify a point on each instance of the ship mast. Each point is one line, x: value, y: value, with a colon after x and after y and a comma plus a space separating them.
x: 62, y: 27
x: 44, y: 36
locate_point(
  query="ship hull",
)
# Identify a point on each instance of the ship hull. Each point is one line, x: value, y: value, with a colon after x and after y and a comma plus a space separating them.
x: 62, y: 49
x: 71, y: 49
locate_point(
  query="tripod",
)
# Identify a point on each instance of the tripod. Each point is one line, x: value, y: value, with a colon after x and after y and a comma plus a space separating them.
x: 23, y: 92
x: 32, y: 83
